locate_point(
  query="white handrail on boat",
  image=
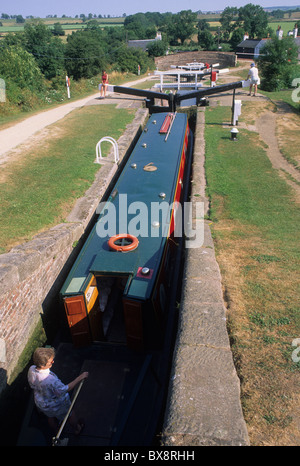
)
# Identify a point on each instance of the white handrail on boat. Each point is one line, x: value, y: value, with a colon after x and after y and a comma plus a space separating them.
x: 115, y: 145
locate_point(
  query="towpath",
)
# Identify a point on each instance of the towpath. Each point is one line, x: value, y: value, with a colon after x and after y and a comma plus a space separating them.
x: 21, y: 132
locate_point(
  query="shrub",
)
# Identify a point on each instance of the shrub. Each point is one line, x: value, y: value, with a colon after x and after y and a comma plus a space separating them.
x: 20, y: 67
x: 128, y: 60
x: 278, y: 64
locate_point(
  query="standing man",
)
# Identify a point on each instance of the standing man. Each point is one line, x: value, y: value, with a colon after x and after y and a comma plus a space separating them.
x: 104, y: 83
x: 254, y: 79
x: 50, y: 393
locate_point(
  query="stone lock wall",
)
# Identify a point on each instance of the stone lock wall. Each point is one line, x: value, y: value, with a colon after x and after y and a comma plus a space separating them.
x: 31, y: 274
x: 225, y: 59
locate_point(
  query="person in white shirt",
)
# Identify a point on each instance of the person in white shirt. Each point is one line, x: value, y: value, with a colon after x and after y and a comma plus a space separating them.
x: 254, y: 78
x: 50, y: 394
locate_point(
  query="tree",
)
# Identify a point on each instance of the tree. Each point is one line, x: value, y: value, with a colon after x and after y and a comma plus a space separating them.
x: 58, y: 30
x: 203, y: 25
x: 227, y: 20
x: 157, y: 48
x: 278, y: 63
x: 278, y: 14
x: 23, y: 78
x: 182, y: 26
x: 253, y: 19
x: 135, y: 26
x: 236, y: 37
x: 143, y: 25
x: 206, y: 40
x: 47, y: 50
x: 92, y: 24
x: 20, y: 19
x: 84, y: 55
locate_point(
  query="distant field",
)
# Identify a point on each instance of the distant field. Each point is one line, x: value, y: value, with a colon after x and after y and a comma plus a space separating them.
x: 9, y: 25
x: 286, y: 26
x: 212, y: 17
x: 71, y: 24
x: 294, y: 15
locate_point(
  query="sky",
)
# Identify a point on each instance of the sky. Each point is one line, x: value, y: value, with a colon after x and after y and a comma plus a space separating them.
x: 41, y: 9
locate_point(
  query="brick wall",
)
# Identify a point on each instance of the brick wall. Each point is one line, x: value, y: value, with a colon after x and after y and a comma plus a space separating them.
x: 32, y: 273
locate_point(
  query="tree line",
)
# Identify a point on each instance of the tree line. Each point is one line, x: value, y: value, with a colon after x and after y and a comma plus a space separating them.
x: 36, y: 60
x: 88, y: 51
x: 39, y: 51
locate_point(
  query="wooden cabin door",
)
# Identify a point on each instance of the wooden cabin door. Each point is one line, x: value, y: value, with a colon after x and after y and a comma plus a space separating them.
x: 78, y: 320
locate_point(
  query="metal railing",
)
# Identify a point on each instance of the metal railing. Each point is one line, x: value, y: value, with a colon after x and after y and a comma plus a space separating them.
x: 115, y: 145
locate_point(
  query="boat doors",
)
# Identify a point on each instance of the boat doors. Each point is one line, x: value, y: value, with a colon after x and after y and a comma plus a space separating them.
x: 96, y: 314
x: 83, y: 315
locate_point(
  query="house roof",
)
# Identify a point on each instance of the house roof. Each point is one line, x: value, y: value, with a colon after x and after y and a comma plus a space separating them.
x: 142, y: 44
x: 249, y: 43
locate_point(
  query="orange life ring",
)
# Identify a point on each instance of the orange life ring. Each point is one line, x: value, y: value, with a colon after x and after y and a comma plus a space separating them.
x: 123, y: 248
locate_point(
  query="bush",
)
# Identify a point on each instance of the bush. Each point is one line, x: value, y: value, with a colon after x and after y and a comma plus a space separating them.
x: 206, y: 40
x: 279, y: 64
x: 157, y: 48
x: 20, y: 67
x: 128, y: 60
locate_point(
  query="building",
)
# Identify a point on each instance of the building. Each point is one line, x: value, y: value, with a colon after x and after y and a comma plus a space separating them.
x: 252, y: 49
x: 249, y: 48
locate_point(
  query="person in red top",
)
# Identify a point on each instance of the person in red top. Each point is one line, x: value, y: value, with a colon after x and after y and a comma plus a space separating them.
x: 104, y: 83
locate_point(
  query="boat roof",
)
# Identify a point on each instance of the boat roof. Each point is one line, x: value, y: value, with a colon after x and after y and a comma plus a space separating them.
x: 134, y: 204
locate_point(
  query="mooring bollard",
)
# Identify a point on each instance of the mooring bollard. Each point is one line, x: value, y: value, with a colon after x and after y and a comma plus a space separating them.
x: 234, y: 133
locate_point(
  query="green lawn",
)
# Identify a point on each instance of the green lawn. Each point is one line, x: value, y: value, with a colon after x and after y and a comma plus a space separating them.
x: 255, y: 223
x: 286, y: 25
x: 39, y: 190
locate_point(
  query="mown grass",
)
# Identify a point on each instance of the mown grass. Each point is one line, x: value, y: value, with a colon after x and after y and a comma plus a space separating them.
x: 289, y: 96
x: 38, y: 190
x: 255, y: 223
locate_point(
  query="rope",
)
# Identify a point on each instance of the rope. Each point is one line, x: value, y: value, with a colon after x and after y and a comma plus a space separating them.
x: 150, y: 167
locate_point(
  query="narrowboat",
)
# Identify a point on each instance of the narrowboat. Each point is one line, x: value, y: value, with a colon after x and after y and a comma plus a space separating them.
x: 131, y: 246
x: 119, y: 298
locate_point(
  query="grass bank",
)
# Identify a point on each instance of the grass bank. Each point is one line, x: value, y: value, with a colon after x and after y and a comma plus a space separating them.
x: 255, y: 223
x: 39, y: 188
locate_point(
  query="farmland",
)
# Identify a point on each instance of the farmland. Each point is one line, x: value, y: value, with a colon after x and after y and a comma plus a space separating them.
x: 68, y: 24
x: 72, y: 24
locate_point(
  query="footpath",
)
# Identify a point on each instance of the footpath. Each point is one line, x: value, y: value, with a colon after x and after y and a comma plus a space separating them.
x: 19, y: 133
